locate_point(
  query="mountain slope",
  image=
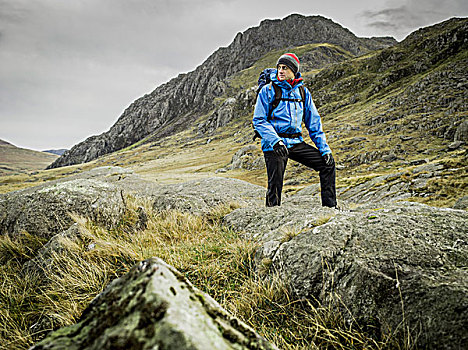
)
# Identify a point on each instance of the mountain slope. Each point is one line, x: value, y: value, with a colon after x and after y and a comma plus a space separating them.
x: 178, y: 103
x: 388, y: 115
x: 416, y: 90
x: 14, y: 160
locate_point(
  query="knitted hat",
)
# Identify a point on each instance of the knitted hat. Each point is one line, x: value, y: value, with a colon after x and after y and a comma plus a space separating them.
x: 290, y: 60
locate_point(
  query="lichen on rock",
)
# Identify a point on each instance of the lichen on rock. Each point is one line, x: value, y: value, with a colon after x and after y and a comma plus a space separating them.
x: 155, y: 307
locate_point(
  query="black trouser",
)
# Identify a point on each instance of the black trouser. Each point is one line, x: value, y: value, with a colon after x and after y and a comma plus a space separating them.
x: 308, y: 156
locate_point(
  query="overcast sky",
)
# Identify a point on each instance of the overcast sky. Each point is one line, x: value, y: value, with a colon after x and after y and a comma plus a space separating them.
x: 69, y: 68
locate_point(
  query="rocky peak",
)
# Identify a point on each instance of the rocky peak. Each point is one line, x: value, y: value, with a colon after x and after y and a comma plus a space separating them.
x: 175, y: 105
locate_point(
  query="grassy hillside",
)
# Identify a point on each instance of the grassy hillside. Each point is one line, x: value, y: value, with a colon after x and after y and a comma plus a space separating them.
x: 15, y: 160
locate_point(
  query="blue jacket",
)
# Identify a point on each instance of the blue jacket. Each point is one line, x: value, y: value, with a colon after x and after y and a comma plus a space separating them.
x: 287, y: 117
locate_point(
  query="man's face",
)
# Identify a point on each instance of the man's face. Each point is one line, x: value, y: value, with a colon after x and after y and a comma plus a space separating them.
x: 284, y: 72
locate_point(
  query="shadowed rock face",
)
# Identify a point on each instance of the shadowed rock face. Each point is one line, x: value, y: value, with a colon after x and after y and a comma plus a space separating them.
x: 155, y: 307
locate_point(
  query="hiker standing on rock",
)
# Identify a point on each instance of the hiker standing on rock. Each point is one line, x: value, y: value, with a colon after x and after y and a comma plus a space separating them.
x: 281, y: 107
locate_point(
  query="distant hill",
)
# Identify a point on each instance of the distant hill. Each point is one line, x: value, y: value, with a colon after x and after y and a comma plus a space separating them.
x: 57, y: 152
x: 4, y: 143
x: 16, y: 160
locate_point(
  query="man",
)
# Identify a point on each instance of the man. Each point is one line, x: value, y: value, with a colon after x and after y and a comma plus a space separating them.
x: 280, y: 132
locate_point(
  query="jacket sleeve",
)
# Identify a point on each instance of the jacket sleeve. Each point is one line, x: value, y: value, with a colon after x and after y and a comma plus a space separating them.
x: 260, y: 118
x: 313, y: 124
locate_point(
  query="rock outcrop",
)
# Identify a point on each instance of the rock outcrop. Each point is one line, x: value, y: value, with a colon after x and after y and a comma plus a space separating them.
x: 178, y: 103
x: 45, y: 210
x: 154, y: 307
x: 392, y: 266
x: 248, y: 157
x: 100, y: 195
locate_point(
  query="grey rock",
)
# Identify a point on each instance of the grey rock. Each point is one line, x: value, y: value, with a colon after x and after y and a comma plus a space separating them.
x: 236, y: 161
x: 461, y: 203
x: 271, y: 227
x: 45, y: 210
x: 418, y: 161
x: 431, y: 168
x: 389, y: 157
x: 357, y: 140
x: 405, y: 138
x: 248, y: 157
x: 371, y: 263
x: 461, y: 134
x: 221, y: 117
x: 455, y: 145
x: 99, y: 194
x: 200, y: 196
x: 154, y: 307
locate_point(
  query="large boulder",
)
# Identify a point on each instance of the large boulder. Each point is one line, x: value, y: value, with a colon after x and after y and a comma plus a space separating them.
x: 100, y: 194
x: 199, y: 196
x: 393, y: 266
x: 45, y: 210
x: 154, y: 307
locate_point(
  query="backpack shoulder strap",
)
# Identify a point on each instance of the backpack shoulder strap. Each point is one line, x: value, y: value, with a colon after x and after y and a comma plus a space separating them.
x: 302, y: 92
x: 303, y: 96
x: 276, y: 100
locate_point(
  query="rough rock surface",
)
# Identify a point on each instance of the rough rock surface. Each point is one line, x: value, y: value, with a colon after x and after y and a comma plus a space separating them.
x: 201, y: 195
x: 248, y: 157
x: 154, y: 307
x: 45, y: 210
x: 461, y: 134
x: 221, y: 117
x: 392, y: 266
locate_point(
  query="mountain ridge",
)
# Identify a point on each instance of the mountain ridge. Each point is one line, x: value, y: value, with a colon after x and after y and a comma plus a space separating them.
x: 190, y: 95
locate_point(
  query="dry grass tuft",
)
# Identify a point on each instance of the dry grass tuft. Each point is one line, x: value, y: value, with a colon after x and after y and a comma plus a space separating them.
x: 40, y: 298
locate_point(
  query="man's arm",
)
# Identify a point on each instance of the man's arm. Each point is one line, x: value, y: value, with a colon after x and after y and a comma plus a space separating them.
x: 313, y: 124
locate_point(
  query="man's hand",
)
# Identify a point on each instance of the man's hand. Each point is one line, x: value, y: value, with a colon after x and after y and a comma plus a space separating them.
x: 280, y: 149
x: 328, y: 159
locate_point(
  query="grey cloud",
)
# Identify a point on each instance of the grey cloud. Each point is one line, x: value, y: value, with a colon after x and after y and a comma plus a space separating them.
x: 402, y: 18
x: 383, y: 26
x: 11, y: 12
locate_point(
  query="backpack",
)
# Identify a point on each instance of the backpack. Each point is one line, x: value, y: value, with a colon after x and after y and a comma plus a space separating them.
x: 264, y: 79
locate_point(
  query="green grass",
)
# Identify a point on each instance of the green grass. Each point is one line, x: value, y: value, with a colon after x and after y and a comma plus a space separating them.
x: 214, y: 258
